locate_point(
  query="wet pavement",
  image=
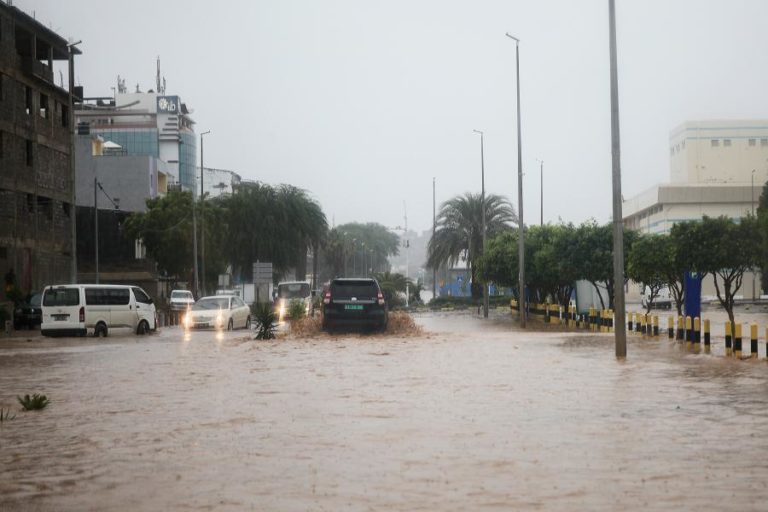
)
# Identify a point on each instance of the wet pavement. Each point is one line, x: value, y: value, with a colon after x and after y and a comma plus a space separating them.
x: 471, y: 415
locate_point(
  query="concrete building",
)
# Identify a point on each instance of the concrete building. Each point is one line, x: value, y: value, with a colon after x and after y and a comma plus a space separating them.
x: 717, y: 167
x: 219, y: 182
x: 36, y: 181
x: 145, y: 124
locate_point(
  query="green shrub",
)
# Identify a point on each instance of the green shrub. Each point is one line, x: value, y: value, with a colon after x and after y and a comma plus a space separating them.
x: 266, y: 321
x: 296, y: 309
x: 34, y: 402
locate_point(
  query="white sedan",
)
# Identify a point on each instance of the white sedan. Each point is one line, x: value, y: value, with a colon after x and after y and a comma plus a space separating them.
x: 219, y: 312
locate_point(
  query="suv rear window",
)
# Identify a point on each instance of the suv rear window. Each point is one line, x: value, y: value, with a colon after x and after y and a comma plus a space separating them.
x: 347, y: 289
x: 61, y: 297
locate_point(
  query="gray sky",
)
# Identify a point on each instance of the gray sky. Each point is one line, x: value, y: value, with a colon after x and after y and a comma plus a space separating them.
x: 362, y: 102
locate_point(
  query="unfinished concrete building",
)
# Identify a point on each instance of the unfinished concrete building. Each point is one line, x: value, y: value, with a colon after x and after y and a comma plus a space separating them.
x: 36, y: 177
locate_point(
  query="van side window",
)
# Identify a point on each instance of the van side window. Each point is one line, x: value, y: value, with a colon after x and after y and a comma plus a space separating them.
x: 107, y: 296
x: 61, y: 297
x: 141, y: 296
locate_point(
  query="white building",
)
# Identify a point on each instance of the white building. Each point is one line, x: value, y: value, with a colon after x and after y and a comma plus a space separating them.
x: 717, y: 167
x: 218, y: 182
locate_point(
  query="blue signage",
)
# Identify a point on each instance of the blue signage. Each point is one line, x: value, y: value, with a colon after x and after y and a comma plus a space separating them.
x: 168, y: 105
x: 692, y: 294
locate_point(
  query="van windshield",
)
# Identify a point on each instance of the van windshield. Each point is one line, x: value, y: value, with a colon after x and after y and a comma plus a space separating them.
x: 293, y: 290
x: 61, y: 297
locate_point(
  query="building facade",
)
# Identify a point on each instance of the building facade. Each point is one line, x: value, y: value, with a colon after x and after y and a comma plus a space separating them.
x: 219, y: 182
x: 717, y: 168
x: 145, y: 124
x: 36, y: 180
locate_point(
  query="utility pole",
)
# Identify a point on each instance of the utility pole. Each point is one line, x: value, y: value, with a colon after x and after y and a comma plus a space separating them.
x: 482, y: 216
x: 521, y: 223
x: 541, y: 168
x: 618, y: 226
x: 407, y: 261
x: 96, y: 225
x: 72, y: 168
x: 194, y: 247
x: 434, y: 223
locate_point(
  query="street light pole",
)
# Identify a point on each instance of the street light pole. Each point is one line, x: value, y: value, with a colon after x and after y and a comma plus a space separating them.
x: 541, y: 168
x: 753, y: 192
x: 202, y: 212
x: 194, y: 246
x: 618, y: 226
x: 96, y: 225
x: 521, y: 223
x: 482, y: 215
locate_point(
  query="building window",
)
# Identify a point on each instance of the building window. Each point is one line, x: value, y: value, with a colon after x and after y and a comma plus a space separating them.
x: 763, y: 142
x: 28, y: 99
x: 29, y: 152
x: 727, y: 143
x: 714, y: 143
x: 65, y: 116
x: 43, y: 106
x: 752, y: 142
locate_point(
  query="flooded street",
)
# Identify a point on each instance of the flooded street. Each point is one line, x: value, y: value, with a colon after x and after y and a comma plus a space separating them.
x: 471, y: 415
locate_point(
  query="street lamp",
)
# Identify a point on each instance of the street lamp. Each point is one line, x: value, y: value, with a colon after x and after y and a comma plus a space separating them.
x: 618, y: 226
x: 72, y: 126
x: 202, y: 212
x: 541, y: 162
x: 482, y: 215
x: 521, y: 223
x: 753, y: 192
x: 434, y: 224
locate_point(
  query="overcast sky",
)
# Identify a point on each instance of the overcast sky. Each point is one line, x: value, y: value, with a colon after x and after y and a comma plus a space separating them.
x: 361, y: 103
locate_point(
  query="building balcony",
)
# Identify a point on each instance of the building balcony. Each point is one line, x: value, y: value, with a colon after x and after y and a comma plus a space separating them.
x: 36, y: 69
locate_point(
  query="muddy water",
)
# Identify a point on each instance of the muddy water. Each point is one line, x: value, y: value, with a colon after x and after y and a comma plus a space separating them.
x: 470, y: 416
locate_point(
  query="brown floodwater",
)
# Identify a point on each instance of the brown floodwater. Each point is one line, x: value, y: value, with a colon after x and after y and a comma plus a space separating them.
x: 471, y: 415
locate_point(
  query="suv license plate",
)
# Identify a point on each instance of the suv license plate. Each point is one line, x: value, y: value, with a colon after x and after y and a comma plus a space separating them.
x: 353, y: 307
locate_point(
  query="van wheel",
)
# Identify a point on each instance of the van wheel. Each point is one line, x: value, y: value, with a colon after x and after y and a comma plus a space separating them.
x: 100, y: 330
x: 248, y: 323
x: 142, y: 328
x: 230, y: 325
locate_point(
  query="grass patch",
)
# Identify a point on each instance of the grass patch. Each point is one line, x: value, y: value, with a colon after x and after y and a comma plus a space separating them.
x: 5, y: 415
x: 34, y: 402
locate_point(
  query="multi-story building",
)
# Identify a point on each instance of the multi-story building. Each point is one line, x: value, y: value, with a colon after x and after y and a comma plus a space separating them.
x: 36, y: 180
x: 717, y: 168
x: 145, y: 124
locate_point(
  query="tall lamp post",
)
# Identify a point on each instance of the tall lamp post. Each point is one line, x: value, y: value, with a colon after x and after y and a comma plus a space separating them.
x: 434, y: 223
x: 521, y: 223
x: 482, y: 215
x: 72, y: 127
x: 618, y: 226
x: 541, y: 173
x: 753, y: 192
x: 202, y: 211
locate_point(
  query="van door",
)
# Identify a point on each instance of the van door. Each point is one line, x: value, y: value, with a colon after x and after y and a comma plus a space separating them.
x: 97, y: 308
x: 145, y: 308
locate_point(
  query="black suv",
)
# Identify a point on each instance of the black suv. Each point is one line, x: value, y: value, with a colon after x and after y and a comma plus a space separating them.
x: 354, y: 302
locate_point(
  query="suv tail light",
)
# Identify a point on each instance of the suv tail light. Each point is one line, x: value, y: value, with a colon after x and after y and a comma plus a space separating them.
x: 327, y: 297
x: 82, y: 313
x: 381, y: 299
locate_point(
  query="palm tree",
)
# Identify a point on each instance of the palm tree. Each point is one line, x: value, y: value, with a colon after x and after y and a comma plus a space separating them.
x: 459, y: 234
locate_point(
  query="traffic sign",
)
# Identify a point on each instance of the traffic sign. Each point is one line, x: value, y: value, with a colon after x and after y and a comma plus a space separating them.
x: 262, y: 273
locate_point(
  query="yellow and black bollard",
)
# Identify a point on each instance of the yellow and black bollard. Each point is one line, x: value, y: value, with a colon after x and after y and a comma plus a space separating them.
x: 706, y: 336
x: 680, y: 329
x: 737, y: 341
x: 696, y: 335
x: 753, y: 340
x: 670, y: 327
x: 688, y: 332
x: 629, y: 321
x: 592, y: 319
x: 655, y: 326
x: 643, y: 322
x: 728, y: 334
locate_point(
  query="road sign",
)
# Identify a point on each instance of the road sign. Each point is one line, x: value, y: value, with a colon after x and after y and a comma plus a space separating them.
x: 262, y: 273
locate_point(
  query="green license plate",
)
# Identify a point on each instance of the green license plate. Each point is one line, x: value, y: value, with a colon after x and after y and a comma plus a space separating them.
x: 353, y: 307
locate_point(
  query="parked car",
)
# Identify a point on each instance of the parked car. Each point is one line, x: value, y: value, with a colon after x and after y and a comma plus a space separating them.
x: 181, y: 300
x: 354, y: 302
x: 28, y: 313
x: 79, y: 309
x: 218, y: 312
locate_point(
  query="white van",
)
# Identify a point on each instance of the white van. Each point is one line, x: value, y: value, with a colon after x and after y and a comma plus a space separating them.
x: 79, y: 309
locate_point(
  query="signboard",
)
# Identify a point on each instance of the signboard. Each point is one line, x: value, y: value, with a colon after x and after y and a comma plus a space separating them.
x: 168, y: 105
x: 692, y: 294
x: 262, y: 273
